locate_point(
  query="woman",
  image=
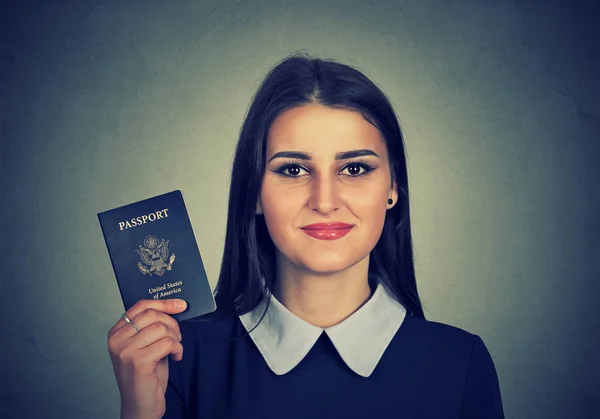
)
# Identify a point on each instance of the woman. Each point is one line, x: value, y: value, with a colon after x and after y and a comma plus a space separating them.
x: 318, y: 312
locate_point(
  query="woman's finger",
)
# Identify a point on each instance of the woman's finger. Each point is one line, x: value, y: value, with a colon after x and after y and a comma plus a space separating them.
x: 170, y: 306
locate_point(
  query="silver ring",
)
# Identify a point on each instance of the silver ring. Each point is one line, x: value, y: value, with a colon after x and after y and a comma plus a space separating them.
x: 128, y: 320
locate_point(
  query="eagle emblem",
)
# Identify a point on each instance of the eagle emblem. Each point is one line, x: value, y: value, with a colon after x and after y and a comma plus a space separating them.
x: 154, y: 254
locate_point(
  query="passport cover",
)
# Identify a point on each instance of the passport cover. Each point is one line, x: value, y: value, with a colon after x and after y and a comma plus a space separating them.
x: 154, y: 254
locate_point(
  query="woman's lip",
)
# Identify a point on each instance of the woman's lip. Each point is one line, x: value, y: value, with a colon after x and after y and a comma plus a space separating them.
x: 327, y: 226
x: 328, y: 234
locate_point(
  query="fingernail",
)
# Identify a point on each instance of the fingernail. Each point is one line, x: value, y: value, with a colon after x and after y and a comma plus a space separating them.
x: 180, y: 304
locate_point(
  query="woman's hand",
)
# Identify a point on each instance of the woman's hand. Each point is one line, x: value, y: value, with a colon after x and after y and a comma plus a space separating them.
x: 140, y: 358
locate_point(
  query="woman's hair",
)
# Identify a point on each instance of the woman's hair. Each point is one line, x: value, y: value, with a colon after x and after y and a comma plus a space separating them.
x: 249, y: 253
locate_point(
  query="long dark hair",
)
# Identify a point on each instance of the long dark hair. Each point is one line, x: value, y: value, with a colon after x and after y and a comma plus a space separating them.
x: 249, y: 254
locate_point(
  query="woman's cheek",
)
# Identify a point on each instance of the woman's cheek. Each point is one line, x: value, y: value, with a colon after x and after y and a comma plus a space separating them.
x: 278, y: 223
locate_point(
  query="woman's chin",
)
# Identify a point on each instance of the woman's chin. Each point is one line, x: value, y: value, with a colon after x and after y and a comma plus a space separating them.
x: 328, y: 266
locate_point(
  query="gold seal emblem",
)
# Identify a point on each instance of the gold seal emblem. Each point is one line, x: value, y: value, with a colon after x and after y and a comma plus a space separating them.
x: 154, y: 254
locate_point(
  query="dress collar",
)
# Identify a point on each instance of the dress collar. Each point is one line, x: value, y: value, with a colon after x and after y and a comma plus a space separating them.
x: 284, y: 339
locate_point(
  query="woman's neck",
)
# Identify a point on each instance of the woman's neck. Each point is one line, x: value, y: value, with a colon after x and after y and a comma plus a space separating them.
x: 323, y: 300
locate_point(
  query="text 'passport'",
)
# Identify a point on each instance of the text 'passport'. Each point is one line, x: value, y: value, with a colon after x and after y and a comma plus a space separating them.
x: 154, y: 254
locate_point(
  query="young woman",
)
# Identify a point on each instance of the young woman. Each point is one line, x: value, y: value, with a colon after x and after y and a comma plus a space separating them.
x: 318, y: 314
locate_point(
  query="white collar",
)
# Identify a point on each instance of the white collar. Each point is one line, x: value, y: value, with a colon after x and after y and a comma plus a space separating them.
x: 284, y: 339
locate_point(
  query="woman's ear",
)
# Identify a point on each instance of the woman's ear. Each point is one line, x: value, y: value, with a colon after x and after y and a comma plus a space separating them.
x: 259, y: 209
x: 393, y: 195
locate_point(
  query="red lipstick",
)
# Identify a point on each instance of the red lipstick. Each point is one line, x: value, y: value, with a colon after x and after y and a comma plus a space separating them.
x: 327, y: 231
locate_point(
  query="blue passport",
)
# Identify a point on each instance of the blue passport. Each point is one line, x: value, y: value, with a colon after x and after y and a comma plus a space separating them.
x: 154, y: 254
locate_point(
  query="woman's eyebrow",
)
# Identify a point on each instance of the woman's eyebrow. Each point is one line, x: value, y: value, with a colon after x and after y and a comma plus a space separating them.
x: 338, y: 156
x: 355, y: 153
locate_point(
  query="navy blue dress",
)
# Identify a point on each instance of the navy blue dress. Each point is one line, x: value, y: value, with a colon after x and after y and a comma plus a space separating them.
x: 429, y: 370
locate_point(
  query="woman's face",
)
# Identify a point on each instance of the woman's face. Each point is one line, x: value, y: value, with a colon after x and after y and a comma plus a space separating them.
x: 325, y: 165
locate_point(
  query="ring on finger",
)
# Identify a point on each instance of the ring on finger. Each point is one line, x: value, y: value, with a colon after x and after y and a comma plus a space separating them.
x: 128, y: 320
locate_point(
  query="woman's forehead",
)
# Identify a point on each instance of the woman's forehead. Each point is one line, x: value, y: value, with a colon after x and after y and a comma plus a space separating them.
x: 315, y: 128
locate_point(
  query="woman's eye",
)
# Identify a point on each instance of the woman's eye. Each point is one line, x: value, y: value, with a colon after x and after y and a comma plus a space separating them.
x: 291, y: 170
x: 357, y: 169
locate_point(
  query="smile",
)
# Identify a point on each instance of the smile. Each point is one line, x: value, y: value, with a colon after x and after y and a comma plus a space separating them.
x: 331, y: 231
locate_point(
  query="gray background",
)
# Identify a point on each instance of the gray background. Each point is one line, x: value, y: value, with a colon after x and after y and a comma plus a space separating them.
x: 109, y: 102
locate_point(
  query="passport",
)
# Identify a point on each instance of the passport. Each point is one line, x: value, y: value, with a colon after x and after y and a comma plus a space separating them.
x: 155, y: 255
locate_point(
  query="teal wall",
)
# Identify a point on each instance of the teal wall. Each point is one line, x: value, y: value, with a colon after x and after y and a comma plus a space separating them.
x: 109, y: 102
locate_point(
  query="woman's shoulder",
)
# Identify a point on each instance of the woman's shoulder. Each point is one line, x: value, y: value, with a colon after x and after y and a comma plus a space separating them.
x: 220, y: 327
x: 436, y: 337
x: 430, y: 329
x: 205, y: 339
x: 446, y: 348
x: 450, y: 359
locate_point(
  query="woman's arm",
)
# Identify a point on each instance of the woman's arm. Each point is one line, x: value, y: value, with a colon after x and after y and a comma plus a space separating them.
x: 481, y: 395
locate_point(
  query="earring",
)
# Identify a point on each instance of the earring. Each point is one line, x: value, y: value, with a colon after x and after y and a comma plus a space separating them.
x: 390, y: 201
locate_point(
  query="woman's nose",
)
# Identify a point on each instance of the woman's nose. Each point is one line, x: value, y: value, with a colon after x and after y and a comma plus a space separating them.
x: 324, y: 196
